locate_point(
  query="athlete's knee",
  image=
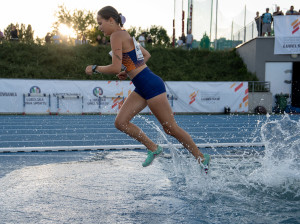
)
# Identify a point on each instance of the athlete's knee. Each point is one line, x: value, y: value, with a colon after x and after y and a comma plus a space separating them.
x: 170, y: 129
x: 167, y: 130
x: 121, y: 124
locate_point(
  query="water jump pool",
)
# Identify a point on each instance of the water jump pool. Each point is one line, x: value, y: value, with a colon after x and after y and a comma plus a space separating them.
x: 255, y: 180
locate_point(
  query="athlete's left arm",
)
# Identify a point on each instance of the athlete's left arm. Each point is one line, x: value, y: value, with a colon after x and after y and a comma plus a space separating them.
x: 115, y: 67
x: 146, y: 54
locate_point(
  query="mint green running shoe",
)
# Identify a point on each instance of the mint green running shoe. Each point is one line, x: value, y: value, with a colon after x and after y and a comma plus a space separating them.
x: 151, y: 156
x: 206, y: 163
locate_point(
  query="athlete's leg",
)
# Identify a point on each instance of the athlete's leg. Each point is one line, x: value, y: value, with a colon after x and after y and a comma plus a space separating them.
x: 160, y: 107
x: 132, y: 106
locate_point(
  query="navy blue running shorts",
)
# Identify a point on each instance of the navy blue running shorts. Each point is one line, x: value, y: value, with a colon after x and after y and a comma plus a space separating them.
x: 148, y: 85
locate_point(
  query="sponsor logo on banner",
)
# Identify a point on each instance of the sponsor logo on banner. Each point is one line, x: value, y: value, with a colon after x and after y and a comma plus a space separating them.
x: 193, y: 97
x: 210, y: 97
x: 238, y: 87
x: 101, y: 100
x: 295, y: 25
x: 36, y: 100
x: 35, y: 89
x: 66, y: 94
x: 8, y: 94
x: 98, y: 91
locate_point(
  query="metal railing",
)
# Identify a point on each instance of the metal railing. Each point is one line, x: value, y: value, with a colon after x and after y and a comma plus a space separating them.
x: 258, y: 86
x: 248, y: 32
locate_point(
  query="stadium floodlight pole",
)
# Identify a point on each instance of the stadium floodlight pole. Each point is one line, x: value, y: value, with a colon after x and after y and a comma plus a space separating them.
x: 211, y: 14
x: 182, y: 18
x: 174, y: 25
x: 216, y: 34
x: 183, y: 22
x: 190, y: 16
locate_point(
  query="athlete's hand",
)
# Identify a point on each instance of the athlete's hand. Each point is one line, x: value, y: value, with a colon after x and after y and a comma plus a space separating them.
x: 122, y: 75
x: 89, y: 70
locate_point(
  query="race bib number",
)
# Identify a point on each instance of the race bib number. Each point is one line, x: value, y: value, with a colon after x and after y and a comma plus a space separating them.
x: 138, y: 51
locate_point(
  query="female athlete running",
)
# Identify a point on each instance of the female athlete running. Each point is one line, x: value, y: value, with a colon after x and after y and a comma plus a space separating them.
x: 149, y: 88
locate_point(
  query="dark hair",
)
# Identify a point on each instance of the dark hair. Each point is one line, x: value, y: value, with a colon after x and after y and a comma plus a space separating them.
x: 109, y: 11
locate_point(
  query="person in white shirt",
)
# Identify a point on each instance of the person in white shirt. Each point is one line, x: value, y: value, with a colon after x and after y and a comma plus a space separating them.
x: 179, y: 42
x: 189, y: 40
x: 142, y: 40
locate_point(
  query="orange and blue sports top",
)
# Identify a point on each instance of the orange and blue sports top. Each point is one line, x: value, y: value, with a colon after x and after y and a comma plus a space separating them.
x: 130, y: 61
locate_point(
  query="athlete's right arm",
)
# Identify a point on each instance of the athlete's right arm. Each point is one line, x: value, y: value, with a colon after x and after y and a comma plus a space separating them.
x: 115, y: 66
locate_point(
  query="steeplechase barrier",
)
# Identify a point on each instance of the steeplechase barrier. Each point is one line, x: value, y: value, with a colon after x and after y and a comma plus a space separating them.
x: 119, y: 147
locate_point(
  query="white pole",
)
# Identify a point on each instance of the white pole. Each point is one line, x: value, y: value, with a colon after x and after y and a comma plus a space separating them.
x: 211, y: 14
x: 231, y: 33
x: 245, y: 25
x: 216, y: 34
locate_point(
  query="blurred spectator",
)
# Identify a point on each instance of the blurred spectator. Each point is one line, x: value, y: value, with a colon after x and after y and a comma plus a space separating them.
x: 179, y: 42
x: 278, y: 12
x: 14, y: 34
x: 189, y: 40
x: 1, y: 36
x: 291, y: 11
x: 149, y: 40
x: 64, y: 39
x: 84, y: 41
x: 267, y: 21
x: 56, y: 38
x: 258, y: 24
x: 99, y: 39
x: 183, y: 38
x: 142, y: 39
x: 78, y: 40
x: 103, y: 41
x: 48, y: 38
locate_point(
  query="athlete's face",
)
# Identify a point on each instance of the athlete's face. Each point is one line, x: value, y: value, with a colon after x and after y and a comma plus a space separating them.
x: 104, y: 25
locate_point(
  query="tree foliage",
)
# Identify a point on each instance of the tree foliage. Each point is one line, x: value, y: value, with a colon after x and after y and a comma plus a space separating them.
x: 158, y: 35
x: 79, y: 20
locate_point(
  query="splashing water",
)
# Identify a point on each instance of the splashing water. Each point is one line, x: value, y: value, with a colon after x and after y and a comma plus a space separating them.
x: 187, y: 171
x: 176, y: 155
x: 280, y: 166
x: 244, y: 184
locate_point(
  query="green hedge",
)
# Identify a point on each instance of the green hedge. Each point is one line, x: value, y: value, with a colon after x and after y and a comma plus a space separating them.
x: 32, y: 61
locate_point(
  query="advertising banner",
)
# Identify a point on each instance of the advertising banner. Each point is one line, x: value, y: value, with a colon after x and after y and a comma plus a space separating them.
x: 209, y: 97
x: 77, y: 97
x: 287, y: 34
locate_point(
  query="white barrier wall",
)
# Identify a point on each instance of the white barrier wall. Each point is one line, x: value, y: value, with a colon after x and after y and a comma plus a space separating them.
x: 63, y: 96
